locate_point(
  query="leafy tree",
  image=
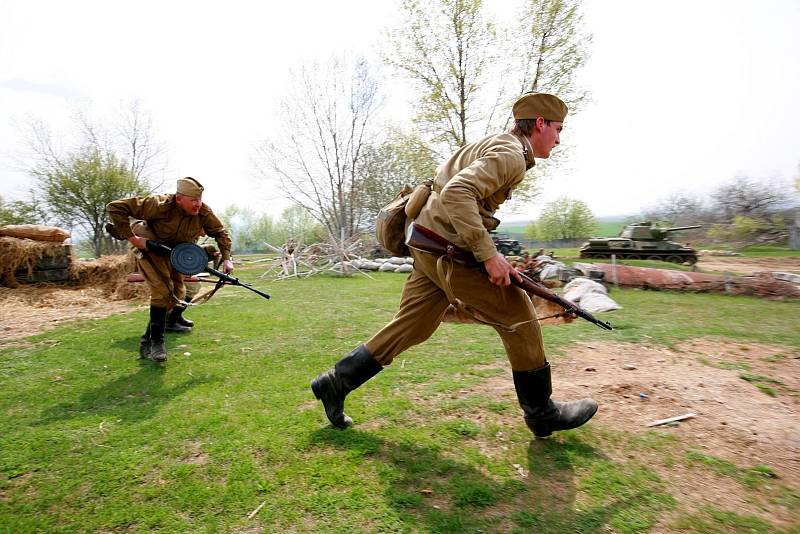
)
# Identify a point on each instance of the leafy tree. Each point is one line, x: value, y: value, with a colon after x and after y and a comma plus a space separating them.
x: 564, y: 218
x: 297, y: 224
x: 317, y: 159
x: 746, y: 230
x: 130, y: 135
x: 401, y: 159
x: 20, y: 212
x: 467, y: 76
x: 249, y: 230
x: 445, y: 48
x: 108, y: 161
x: 547, y: 50
x: 77, y: 190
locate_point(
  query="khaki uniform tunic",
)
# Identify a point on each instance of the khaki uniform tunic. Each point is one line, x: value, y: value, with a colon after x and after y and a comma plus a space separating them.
x: 167, y: 223
x: 467, y: 191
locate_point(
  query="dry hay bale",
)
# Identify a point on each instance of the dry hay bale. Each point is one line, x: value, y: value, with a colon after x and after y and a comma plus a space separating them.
x: 18, y: 254
x: 110, y: 275
x: 35, y: 232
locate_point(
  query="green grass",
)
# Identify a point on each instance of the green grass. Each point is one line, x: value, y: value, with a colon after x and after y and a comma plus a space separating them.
x: 95, y: 440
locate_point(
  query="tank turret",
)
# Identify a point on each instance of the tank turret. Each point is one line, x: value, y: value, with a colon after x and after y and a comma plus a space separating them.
x: 641, y: 240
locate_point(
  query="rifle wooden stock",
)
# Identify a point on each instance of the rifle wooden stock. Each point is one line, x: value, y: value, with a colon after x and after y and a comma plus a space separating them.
x: 424, y: 239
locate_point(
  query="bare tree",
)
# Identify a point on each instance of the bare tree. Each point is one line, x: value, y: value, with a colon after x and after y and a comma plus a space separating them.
x: 749, y: 197
x: 677, y: 209
x: 317, y: 159
x: 73, y: 184
x: 132, y: 136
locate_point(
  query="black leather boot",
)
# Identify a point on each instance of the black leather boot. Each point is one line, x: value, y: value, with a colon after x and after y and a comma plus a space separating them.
x: 176, y: 322
x: 158, y: 324
x: 144, y: 343
x: 542, y: 415
x: 331, y: 387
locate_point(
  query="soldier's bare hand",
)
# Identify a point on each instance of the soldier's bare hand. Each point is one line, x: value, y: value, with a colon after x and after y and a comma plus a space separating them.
x: 227, y: 266
x: 138, y: 242
x: 500, y: 271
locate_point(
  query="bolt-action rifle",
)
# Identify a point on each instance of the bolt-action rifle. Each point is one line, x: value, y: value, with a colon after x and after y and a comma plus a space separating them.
x: 190, y: 259
x: 424, y: 239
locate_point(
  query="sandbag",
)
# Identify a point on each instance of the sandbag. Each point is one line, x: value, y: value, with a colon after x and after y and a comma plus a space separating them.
x: 36, y: 232
x: 579, y: 287
x: 598, y: 302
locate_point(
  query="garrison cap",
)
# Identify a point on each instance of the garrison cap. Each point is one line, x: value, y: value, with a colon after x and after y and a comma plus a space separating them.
x: 535, y: 105
x: 189, y: 187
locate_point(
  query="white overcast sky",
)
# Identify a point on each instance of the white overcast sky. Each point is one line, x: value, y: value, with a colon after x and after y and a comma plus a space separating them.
x: 686, y: 94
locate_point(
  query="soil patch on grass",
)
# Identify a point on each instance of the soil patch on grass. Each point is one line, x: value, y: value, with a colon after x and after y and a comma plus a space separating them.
x: 30, y: 310
x: 745, y: 397
x: 742, y: 265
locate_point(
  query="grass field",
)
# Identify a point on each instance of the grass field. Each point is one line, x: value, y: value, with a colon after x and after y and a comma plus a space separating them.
x: 226, y: 436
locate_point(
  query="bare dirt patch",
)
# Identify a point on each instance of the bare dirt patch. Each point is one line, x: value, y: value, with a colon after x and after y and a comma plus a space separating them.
x: 741, y: 265
x: 30, y: 310
x: 735, y: 419
x: 636, y: 384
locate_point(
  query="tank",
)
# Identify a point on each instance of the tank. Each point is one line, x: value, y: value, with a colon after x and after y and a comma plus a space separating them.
x: 505, y: 245
x: 641, y: 241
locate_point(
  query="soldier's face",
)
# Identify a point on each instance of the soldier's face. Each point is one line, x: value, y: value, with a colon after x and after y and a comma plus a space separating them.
x: 545, y: 137
x: 190, y: 205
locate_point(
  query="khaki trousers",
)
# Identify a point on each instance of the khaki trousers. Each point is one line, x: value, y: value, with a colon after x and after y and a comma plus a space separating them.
x: 424, y: 302
x: 163, y: 280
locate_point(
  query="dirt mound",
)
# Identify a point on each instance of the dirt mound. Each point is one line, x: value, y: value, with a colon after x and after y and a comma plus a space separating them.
x: 740, y: 265
x: 98, y: 288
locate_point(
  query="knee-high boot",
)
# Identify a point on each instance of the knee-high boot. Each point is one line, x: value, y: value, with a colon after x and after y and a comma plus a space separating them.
x: 158, y: 323
x: 331, y: 387
x: 144, y: 343
x: 176, y: 322
x: 542, y: 415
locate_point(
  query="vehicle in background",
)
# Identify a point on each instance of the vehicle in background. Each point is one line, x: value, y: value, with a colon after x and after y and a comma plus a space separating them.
x: 641, y: 241
x: 505, y: 245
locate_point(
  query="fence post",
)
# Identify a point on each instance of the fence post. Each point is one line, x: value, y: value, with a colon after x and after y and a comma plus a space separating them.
x: 614, y: 270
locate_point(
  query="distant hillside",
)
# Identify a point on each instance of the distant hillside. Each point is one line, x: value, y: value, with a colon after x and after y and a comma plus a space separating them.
x: 607, y: 226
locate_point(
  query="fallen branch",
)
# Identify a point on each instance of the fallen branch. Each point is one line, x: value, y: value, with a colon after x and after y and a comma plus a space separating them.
x: 671, y: 419
x: 254, y: 512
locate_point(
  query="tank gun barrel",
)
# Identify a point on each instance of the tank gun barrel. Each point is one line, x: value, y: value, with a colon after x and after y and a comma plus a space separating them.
x: 675, y: 229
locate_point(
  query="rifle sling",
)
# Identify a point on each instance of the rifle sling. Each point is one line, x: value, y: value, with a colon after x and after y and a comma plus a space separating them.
x: 466, y: 309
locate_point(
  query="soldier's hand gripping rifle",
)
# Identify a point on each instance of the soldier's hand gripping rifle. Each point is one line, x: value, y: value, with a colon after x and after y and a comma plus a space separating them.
x: 190, y: 259
x: 426, y: 240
